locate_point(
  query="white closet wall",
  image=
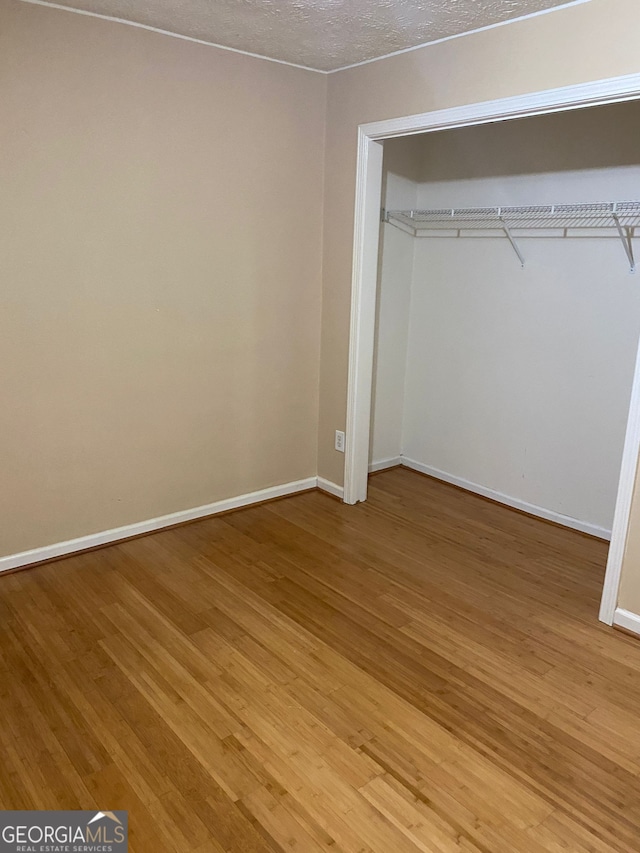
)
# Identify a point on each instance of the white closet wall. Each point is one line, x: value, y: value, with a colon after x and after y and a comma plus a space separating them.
x: 517, y: 381
x: 395, y: 270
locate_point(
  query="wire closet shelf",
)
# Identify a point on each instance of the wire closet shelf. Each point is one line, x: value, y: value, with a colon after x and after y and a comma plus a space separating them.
x: 618, y: 218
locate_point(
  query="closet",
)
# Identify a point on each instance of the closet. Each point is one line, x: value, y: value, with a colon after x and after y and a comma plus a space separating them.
x: 508, y: 310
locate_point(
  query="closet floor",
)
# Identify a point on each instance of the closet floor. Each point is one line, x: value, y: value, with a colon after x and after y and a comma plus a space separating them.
x: 423, y: 672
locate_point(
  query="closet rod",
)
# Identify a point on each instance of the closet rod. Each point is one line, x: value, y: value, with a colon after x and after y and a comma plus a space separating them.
x: 623, y: 217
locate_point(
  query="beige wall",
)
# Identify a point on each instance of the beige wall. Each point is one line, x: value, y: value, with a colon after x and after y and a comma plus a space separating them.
x: 160, y: 296
x: 629, y: 593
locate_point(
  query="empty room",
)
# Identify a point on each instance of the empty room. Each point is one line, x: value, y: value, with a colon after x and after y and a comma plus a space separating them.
x: 319, y: 426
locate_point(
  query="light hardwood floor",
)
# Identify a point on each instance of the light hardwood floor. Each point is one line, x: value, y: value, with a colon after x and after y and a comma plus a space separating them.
x: 423, y: 672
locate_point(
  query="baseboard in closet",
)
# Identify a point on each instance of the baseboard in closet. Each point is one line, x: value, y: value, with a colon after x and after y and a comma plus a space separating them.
x: 515, y: 503
x: 627, y: 620
x: 383, y: 464
x: 116, y: 534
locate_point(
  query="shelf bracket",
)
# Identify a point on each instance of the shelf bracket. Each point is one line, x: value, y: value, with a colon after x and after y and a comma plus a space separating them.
x: 625, y: 236
x: 511, y: 239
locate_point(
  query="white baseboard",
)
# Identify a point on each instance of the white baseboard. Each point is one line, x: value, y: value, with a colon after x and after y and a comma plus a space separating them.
x: 516, y: 503
x: 381, y: 464
x: 627, y: 619
x: 61, y: 549
x: 331, y: 488
x: 105, y: 537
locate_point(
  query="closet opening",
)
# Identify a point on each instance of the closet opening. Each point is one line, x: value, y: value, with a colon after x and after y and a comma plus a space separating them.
x: 505, y: 322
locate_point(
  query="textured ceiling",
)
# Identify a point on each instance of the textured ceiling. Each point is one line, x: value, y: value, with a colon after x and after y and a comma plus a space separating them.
x: 321, y: 34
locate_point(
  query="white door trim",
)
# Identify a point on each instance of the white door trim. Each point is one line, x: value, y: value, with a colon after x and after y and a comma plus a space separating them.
x: 622, y: 513
x: 363, y: 317
x: 364, y: 282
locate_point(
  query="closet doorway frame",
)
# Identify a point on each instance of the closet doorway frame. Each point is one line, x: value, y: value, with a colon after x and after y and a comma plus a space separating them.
x: 365, y: 271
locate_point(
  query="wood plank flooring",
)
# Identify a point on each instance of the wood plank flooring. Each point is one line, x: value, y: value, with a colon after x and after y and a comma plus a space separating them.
x: 423, y: 672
